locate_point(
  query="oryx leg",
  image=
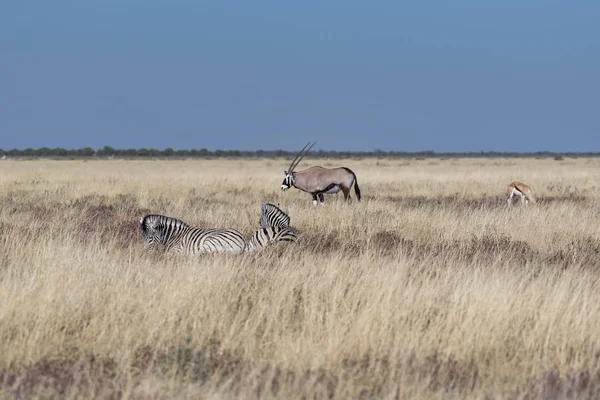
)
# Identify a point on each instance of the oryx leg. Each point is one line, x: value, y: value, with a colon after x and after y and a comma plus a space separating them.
x: 329, y: 189
x: 314, y: 196
x: 346, y: 192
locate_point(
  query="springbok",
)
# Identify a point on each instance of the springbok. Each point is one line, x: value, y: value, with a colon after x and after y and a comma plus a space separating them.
x: 318, y: 180
x: 522, y: 190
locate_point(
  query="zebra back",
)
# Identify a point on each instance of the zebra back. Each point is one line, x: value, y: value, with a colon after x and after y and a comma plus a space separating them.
x: 215, y: 240
x: 265, y: 236
x: 273, y: 216
x: 157, y: 222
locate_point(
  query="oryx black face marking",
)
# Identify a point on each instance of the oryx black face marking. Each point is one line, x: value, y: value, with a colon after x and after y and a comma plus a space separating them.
x: 288, y: 180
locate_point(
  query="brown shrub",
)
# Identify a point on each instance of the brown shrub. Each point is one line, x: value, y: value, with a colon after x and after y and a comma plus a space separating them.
x: 580, y: 251
x: 389, y: 243
x: 320, y: 242
x: 486, y: 249
x: 485, y: 202
x: 111, y: 225
x: 580, y: 385
x: 85, y: 376
x: 328, y: 243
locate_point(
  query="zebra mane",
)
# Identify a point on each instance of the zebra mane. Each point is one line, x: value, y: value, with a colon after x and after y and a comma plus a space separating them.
x: 265, y: 206
x: 162, y: 219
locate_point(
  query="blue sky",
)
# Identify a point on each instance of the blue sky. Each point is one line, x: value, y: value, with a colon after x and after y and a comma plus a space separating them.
x: 352, y: 75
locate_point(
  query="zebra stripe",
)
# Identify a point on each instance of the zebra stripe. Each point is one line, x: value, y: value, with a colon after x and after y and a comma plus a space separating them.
x: 265, y: 236
x: 275, y: 227
x: 178, y: 237
x: 271, y: 215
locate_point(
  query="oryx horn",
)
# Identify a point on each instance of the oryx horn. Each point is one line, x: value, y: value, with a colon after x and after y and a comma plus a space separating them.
x: 292, y: 165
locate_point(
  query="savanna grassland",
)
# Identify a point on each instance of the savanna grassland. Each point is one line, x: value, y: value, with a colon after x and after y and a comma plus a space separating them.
x: 431, y: 287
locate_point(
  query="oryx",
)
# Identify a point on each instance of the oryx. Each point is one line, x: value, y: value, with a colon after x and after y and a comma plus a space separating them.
x: 319, y: 180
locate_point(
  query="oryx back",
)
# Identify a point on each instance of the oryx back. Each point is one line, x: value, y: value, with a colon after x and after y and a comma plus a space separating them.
x: 327, y: 180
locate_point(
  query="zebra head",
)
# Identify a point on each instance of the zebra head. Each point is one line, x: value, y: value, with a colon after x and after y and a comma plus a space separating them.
x: 151, y: 228
x: 157, y: 229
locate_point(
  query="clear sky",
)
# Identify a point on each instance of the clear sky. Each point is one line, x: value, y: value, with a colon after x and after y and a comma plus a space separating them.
x: 512, y: 75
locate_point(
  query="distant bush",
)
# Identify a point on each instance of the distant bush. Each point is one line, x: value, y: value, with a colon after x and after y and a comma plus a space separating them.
x: 109, y: 152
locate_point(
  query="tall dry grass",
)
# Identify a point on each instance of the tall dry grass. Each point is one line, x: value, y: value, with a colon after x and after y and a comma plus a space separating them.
x: 429, y: 288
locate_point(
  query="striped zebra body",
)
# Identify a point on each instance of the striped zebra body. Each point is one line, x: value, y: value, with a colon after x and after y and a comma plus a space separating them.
x: 266, y: 236
x: 178, y: 237
x: 275, y: 227
x: 271, y: 215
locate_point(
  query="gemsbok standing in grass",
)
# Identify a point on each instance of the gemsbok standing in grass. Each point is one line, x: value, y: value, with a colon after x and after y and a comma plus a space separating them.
x: 522, y: 190
x: 318, y: 180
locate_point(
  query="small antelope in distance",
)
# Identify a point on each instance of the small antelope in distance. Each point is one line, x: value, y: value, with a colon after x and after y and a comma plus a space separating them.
x: 522, y: 190
x: 318, y: 180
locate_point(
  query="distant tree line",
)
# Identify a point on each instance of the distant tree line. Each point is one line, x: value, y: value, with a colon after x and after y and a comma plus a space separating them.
x: 110, y: 152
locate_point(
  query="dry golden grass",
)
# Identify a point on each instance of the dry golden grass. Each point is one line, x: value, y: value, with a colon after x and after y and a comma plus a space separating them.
x: 428, y: 288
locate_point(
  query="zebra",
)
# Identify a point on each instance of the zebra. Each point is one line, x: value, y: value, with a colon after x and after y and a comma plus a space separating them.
x: 265, y: 236
x: 179, y: 237
x: 272, y: 215
x: 275, y: 227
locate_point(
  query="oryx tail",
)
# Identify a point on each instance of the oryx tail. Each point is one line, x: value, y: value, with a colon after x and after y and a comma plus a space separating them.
x: 356, y: 188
